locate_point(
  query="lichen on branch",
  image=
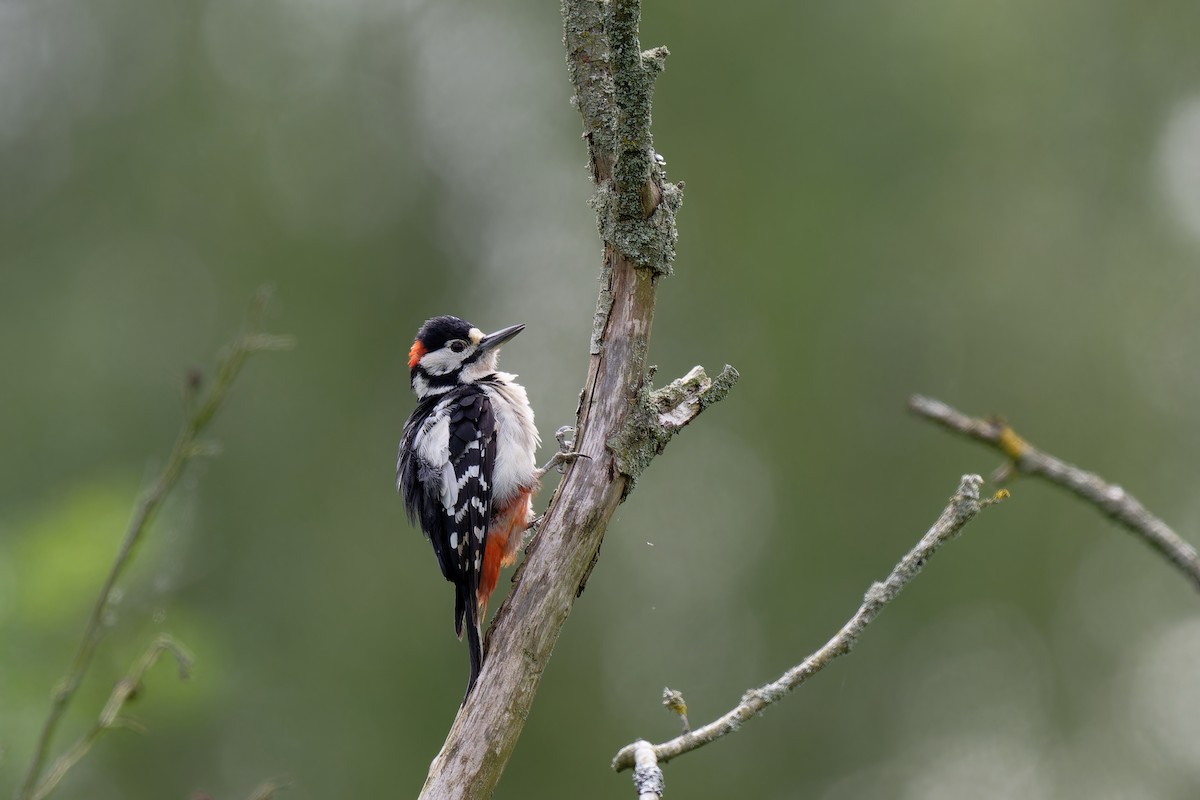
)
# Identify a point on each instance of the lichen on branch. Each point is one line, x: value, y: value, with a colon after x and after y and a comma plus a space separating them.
x: 660, y: 413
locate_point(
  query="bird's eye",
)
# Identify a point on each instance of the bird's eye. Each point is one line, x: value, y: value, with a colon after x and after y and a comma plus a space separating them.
x: 458, y: 345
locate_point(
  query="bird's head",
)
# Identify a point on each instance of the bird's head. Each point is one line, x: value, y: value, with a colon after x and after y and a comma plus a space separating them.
x: 450, y: 352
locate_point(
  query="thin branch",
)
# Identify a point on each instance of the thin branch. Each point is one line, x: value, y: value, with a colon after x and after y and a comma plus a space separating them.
x: 110, y: 716
x: 188, y: 445
x: 1026, y: 459
x: 963, y: 507
x: 621, y: 422
x: 647, y: 775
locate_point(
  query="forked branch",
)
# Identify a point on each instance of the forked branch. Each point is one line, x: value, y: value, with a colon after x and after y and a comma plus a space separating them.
x: 201, y: 408
x: 622, y: 423
x: 110, y: 717
x: 963, y: 507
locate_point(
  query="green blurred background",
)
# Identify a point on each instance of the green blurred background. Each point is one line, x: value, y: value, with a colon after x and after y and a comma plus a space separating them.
x: 997, y: 203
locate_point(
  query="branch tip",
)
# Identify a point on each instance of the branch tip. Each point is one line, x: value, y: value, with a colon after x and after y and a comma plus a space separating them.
x: 964, y: 505
x: 655, y: 59
x: 674, y: 702
x: 1024, y: 459
x: 999, y: 497
x: 659, y: 414
x: 968, y: 488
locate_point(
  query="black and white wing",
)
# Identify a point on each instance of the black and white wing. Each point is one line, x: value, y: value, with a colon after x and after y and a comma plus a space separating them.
x: 472, y: 429
x: 445, y: 470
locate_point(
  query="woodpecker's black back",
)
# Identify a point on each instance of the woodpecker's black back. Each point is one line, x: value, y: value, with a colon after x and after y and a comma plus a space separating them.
x: 446, y: 479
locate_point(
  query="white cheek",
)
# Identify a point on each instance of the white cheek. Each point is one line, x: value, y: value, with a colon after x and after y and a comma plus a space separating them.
x: 441, y: 361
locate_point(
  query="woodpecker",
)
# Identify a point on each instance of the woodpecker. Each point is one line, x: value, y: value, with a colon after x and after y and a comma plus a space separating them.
x: 467, y: 468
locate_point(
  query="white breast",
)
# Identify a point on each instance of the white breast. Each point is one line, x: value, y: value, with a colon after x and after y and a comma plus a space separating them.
x: 517, y: 438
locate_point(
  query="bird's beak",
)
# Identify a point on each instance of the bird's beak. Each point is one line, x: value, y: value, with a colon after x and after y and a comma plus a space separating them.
x: 498, y: 338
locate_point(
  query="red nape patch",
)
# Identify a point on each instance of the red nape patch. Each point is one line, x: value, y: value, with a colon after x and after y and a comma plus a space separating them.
x: 414, y: 353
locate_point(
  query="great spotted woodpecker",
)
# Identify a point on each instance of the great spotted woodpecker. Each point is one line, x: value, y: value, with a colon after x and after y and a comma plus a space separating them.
x: 466, y: 468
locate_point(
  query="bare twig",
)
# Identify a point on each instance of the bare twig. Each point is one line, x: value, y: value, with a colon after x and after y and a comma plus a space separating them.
x: 621, y: 422
x: 963, y: 506
x: 1026, y: 459
x: 110, y: 716
x: 674, y: 702
x: 188, y: 445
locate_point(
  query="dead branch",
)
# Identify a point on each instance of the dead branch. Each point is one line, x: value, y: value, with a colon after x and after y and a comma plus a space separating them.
x: 963, y: 507
x: 622, y: 423
x: 1025, y: 459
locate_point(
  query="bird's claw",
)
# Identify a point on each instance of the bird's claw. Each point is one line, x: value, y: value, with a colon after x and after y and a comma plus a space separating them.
x: 565, y: 455
x: 560, y: 460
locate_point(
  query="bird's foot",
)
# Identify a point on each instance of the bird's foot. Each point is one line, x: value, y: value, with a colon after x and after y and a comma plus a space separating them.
x: 532, y: 529
x: 565, y: 454
x: 559, y: 460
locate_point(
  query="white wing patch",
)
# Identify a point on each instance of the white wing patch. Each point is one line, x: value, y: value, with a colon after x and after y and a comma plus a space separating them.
x: 435, y: 451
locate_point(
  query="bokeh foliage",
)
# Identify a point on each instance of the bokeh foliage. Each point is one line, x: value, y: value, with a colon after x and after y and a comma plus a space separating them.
x: 993, y: 203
